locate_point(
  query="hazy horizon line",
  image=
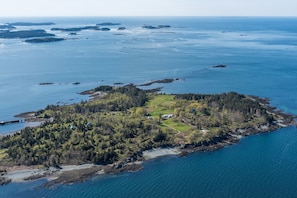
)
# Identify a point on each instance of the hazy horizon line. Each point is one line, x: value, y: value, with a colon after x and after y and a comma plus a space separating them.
x: 238, y: 16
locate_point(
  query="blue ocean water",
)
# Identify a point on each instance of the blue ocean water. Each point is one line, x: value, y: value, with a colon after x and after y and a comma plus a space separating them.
x: 260, y: 54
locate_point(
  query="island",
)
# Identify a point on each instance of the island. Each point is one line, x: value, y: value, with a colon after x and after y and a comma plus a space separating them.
x: 122, y: 28
x: 7, y: 27
x: 117, y: 129
x: 46, y: 83
x: 166, y: 80
x: 76, y: 29
x: 105, y: 29
x: 155, y: 27
x: 44, y: 40
x: 108, y: 24
x: 164, y: 26
x: 219, y: 66
x: 25, y: 34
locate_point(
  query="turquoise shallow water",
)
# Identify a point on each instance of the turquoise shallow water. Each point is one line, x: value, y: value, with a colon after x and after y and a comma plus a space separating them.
x: 260, y: 54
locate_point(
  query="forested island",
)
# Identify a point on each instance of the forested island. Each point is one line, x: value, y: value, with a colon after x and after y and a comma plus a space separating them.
x: 44, y: 40
x: 119, y: 123
x: 76, y: 29
x: 25, y: 34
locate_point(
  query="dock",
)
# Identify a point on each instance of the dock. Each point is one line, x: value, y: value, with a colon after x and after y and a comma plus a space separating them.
x: 9, y: 122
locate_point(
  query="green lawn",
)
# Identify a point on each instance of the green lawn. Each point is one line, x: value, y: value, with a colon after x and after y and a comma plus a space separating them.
x: 3, y: 153
x: 178, y: 126
x: 165, y: 104
x: 161, y: 104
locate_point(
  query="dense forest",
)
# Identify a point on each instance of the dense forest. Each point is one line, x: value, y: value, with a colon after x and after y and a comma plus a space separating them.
x: 123, y: 121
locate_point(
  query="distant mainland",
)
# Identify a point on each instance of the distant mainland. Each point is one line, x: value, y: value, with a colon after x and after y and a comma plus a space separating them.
x: 8, y: 30
x: 123, y: 125
x: 13, y: 25
x: 31, y: 24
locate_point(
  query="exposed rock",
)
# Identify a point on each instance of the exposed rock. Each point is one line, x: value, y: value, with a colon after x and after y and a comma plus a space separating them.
x: 183, y: 153
x: 219, y: 66
x: 74, y: 176
x: 121, y: 28
x: 4, y: 181
x: 119, y: 169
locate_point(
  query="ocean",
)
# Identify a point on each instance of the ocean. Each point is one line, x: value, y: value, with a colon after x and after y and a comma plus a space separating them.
x: 260, y: 55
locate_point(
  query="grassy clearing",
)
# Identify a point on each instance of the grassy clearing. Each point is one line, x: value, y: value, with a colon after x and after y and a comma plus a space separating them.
x: 178, y: 126
x: 3, y: 153
x: 165, y: 104
x: 161, y: 104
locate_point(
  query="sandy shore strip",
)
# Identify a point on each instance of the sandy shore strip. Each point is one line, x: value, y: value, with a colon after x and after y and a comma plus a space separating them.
x: 158, y: 152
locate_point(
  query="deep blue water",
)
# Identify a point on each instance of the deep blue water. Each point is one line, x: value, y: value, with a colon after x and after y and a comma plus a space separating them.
x: 260, y: 54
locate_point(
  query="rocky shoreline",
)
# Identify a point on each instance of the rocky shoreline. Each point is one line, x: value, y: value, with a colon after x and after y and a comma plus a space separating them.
x: 63, y: 175
x: 232, y: 137
x: 225, y: 140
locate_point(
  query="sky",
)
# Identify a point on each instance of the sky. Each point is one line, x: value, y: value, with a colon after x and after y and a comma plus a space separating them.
x: 12, y: 8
